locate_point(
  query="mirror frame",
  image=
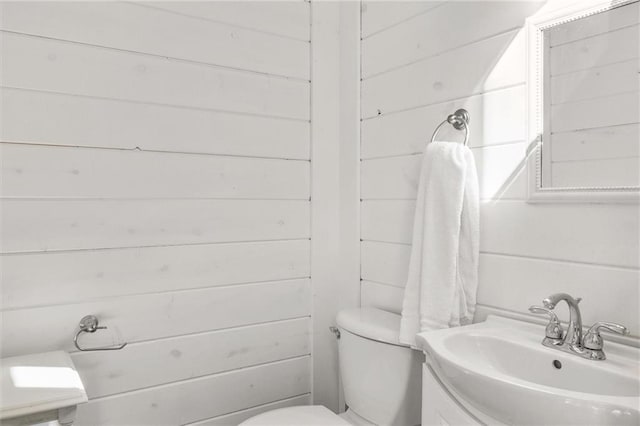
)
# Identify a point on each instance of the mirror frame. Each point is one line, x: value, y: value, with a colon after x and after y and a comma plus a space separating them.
x: 535, y: 63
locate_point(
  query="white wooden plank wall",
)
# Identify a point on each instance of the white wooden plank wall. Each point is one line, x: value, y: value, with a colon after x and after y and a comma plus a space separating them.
x: 595, y: 100
x: 156, y: 173
x: 472, y: 55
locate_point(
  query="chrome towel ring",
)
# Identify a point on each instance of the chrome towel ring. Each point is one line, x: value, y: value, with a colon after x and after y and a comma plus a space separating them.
x: 459, y: 120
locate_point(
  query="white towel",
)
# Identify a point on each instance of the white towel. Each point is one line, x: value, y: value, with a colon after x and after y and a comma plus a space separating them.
x: 443, y: 269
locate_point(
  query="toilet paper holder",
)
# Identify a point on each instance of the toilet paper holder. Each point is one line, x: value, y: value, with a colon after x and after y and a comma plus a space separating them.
x: 90, y: 324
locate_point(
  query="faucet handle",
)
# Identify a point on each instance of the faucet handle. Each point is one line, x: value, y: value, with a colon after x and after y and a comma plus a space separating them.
x: 593, y: 339
x: 553, y: 329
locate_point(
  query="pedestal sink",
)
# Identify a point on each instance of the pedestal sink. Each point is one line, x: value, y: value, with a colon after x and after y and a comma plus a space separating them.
x: 500, y: 371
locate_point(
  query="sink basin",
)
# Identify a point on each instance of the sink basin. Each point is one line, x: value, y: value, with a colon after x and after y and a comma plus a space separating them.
x: 501, y: 372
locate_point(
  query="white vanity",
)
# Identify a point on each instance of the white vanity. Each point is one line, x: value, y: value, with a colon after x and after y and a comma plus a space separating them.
x: 498, y: 372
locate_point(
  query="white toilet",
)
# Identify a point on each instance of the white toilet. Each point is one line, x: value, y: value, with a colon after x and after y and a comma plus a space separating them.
x: 381, y: 377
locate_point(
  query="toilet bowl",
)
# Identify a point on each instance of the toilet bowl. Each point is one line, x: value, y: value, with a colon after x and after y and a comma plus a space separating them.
x: 381, y: 377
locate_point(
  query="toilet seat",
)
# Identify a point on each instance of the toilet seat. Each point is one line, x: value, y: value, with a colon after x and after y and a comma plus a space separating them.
x: 307, y: 415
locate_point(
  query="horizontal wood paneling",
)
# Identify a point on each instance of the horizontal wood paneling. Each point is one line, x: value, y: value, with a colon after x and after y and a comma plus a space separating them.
x: 41, y: 171
x: 381, y: 296
x: 498, y: 62
x: 194, y: 355
x: 508, y: 279
x: 596, y: 82
x: 498, y: 116
x: 606, y: 81
x: 146, y: 317
x: 35, y: 117
x: 397, y: 177
x: 608, y: 294
x: 196, y: 399
x: 287, y: 18
x: 505, y: 279
x: 588, y: 114
x: 605, y: 142
x: 240, y: 416
x: 599, y: 234
x: 57, y: 66
x: 87, y: 224
x: 599, y: 23
x: 146, y: 180
x: 595, y: 51
x: 602, y: 172
x: 62, y: 277
x: 413, y: 40
x: 392, y: 177
x: 118, y: 26
x: 387, y: 220
x: 385, y: 262
x: 380, y: 15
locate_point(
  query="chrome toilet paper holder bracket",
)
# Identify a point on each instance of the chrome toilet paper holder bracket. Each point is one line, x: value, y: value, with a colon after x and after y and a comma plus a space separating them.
x: 90, y: 324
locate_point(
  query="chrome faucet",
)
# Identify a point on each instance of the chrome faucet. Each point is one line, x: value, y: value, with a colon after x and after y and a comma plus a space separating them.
x: 574, y: 331
x: 591, y: 346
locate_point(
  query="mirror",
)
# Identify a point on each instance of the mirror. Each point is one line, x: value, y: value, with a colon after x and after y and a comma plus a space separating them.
x: 586, y: 103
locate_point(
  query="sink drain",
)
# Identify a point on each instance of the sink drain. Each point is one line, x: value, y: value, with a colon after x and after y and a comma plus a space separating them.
x: 557, y: 364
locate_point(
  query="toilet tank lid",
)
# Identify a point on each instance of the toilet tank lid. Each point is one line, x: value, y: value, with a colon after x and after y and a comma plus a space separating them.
x: 371, y: 323
x: 36, y: 383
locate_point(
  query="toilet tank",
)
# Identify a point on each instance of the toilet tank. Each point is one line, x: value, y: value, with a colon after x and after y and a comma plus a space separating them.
x: 381, y: 377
